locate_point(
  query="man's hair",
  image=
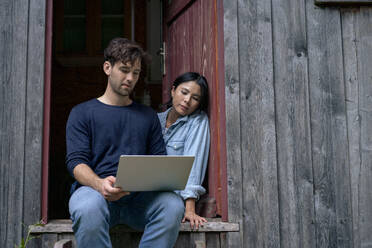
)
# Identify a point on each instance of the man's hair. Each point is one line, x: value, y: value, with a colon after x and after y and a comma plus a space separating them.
x: 124, y: 50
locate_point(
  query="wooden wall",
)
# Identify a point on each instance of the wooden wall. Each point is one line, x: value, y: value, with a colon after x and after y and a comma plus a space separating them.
x: 22, y: 30
x: 299, y: 123
x: 298, y: 108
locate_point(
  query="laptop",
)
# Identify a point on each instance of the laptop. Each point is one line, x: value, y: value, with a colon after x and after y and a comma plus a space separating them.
x: 153, y: 172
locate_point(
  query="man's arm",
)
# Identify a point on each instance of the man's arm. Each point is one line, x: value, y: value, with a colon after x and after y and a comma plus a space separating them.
x: 86, y: 176
x: 155, y: 144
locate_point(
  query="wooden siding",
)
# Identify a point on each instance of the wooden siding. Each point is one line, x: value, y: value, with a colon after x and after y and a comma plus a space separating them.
x: 21, y: 107
x: 298, y: 118
x: 233, y: 132
x: 357, y: 44
x: 298, y: 113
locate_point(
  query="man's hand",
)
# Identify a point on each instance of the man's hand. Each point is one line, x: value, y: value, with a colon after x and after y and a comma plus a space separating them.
x: 85, y: 176
x: 106, y: 187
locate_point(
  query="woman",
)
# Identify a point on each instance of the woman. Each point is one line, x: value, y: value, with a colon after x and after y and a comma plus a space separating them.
x: 185, y: 130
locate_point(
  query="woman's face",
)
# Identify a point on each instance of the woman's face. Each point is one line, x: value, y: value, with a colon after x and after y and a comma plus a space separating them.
x: 186, y: 97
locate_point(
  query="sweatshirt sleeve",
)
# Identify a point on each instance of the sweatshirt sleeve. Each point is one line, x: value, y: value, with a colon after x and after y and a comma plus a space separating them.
x: 155, y: 142
x: 77, y: 140
x: 197, y: 144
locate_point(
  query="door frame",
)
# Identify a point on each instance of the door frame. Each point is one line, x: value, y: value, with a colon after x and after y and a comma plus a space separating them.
x: 218, y: 178
x: 46, y: 113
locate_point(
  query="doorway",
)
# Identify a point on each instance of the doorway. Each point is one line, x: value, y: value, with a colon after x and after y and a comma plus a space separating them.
x: 81, y: 30
x: 193, y: 35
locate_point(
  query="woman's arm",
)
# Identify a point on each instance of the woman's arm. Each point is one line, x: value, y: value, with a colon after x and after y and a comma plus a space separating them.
x: 197, y: 144
x: 190, y: 215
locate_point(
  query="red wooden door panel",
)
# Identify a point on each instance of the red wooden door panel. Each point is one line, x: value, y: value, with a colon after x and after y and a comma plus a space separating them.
x: 194, y: 42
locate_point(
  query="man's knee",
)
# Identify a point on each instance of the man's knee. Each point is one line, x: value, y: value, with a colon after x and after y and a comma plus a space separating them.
x: 173, y: 208
x: 88, y: 207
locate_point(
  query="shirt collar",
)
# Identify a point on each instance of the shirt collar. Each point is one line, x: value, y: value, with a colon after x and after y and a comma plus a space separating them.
x: 180, y: 119
x: 164, y: 116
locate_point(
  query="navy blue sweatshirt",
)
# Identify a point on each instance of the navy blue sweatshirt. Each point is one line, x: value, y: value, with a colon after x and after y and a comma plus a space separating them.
x: 97, y: 134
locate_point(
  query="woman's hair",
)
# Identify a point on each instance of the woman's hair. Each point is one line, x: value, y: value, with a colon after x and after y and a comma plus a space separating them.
x: 201, y: 81
x: 124, y: 50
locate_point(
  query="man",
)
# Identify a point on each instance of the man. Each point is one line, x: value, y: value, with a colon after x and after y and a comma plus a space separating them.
x: 97, y: 133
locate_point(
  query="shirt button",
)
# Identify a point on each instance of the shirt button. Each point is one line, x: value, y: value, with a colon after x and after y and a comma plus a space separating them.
x: 175, y: 147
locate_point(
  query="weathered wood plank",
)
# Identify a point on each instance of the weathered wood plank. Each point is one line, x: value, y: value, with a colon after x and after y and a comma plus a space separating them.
x: 350, y: 41
x: 328, y: 127
x: 212, y: 240
x: 257, y: 119
x: 212, y: 227
x: 65, y: 226
x: 232, y: 104
x: 183, y: 241
x: 13, y: 67
x: 48, y: 240
x: 364, y: 55
x: 343, y: 2
x: 34, y: 113
x: 198, y: 240
x: 293, y: 125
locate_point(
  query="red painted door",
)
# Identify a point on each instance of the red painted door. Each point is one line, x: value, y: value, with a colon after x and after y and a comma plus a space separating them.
x: 194, y: 42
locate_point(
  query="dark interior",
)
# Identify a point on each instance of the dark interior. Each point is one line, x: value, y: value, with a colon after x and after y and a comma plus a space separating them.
x: 81, y: 30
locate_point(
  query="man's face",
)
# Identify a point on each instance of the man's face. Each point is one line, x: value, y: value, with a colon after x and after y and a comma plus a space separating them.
x: 122, y: 78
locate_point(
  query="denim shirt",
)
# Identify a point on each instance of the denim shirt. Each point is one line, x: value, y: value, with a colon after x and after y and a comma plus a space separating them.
x: 189, y: 135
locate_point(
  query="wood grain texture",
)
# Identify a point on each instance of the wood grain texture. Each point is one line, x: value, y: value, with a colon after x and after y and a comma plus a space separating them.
x: 65, y: 226
x: 293, y: 124
x: 223, y: 240
x: 34, y: 114
x: 48, y: 240
x: 257, y: 119
x: 131, y: 240
x: 213, y: 239
x: 328, y: 127
x: 364, y: 55
x: 13, y: 63
x: 213, y: 235
x: 174, y: 7
x: 350, y: 51
x: 233, y: 132
x: 183, y: 241
x: 198, y: 240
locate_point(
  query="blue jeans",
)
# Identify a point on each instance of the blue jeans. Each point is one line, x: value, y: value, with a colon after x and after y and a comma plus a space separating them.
x: 158, y: 214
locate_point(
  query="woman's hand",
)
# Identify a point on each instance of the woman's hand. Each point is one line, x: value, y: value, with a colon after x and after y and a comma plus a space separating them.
x: 195, y: 220
x: 190, y: 215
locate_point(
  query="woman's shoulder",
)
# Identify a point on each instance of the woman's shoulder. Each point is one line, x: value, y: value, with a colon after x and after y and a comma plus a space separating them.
x: 198, y: 117
x: 163, y: 117
x: 162, y: 114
